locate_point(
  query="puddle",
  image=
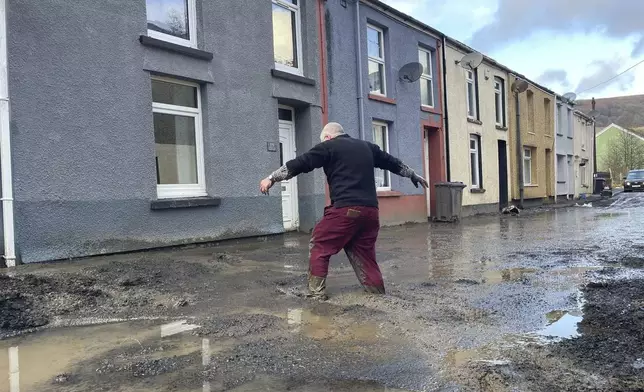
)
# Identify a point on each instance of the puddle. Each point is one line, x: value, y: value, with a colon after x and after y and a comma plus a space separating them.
x: 507, y: 275
x: 562, y: 325
x: 326, y: 328
x: 35, y: 361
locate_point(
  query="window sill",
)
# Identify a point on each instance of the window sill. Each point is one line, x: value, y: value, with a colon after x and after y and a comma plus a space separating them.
x: 560, y: 134
x: 561, y: 182
x: 176, y: 48
x: 501, y: 128
x: 530, y: 185
x: 428, y: 109
x: 548, y: 136
x: 570, y: 137
x: 474, y: 121
x: 532, y: 133
x: 380, y: 98
x: 477, y: 190
x: 292, y: 77
x: 169, y: 204
x: 389, y: 194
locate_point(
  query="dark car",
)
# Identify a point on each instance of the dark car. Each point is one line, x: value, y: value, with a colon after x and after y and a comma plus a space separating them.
x: 634, y: 181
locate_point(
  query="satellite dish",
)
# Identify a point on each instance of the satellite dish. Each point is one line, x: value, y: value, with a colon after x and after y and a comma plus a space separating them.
x: 471, y: 61
x: 593, y: 113
x: 410, y: 72
x: 519, y: 86
x: 570, y: 97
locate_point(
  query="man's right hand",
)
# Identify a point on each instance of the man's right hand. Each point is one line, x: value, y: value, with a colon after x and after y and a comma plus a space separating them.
x: 416, y: 179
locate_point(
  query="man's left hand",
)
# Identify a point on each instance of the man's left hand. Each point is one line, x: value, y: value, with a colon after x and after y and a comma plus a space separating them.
x: 416, y: 179
x: 265, y: 185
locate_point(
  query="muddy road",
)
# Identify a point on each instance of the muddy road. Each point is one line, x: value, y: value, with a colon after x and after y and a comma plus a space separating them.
x: 548, y: 301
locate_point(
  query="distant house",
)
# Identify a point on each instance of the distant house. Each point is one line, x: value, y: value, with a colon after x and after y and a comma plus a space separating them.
x: 619, y: 149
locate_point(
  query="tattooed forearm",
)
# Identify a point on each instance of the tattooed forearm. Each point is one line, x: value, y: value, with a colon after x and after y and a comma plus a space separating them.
x: 405, y: 171
x: 281, y: 174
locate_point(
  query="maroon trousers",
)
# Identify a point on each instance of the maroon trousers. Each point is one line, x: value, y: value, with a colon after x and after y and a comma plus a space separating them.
x: 354, y: 229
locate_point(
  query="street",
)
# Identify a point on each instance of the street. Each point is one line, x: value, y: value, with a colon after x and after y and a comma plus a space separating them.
x: 550, y: 300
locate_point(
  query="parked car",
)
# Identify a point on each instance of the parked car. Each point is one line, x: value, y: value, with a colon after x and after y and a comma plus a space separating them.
x: 634, y: 181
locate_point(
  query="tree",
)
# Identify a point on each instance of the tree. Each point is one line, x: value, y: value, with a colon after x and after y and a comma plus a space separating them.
x: 623, y: 153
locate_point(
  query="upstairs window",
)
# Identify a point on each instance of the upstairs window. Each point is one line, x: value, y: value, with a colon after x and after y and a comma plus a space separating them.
x: 287, y: 36
x: 376, y: 54
x: 472, y: 86
x: 426, y: 80
x: 173, y: 21
x: 499, y: 101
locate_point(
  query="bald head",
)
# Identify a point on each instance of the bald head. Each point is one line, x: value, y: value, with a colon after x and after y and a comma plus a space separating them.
x: 331, y: 130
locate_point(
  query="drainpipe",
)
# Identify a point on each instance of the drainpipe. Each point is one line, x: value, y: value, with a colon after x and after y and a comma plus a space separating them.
x: 555, y: 148
x: 359, y: 73
x: 5, y: 146
x: 520, y: 150
x: 446, y: 113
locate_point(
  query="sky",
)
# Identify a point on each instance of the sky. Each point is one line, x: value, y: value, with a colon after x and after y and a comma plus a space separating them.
x: 565, y: 45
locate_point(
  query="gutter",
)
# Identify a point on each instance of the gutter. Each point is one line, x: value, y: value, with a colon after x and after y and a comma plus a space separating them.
x: 359, y: 73
x: 5, y: 145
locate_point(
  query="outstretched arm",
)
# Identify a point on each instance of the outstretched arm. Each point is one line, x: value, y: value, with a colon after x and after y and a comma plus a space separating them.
x: 312, y: 159
x: 386, y: 161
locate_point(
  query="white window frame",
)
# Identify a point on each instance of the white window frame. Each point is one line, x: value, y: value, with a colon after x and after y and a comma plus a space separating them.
x: 379, y: 60
x: 499, y: 101
x: 172, y: 191
x: 470, y: 78
x: 583, y: 170
x: 386, y: 142
x: 428, y: 76
x: 192, y: 29
x: 527, y: 157
x: 299, y: 70
x: 476, y: 151
x: 569, y: 120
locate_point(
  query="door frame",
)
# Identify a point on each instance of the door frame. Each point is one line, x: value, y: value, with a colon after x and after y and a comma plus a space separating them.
x: 504, y: 198
x: 295, y: 205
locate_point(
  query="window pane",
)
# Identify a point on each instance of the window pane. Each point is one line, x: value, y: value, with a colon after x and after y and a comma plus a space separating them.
x: 424, y: 59
x: 472, y: 144
x: 470, y: 99
x: 284, y: 36
x: 426, y: 92
x: 374, y: 43
x: 176, y: 150
x: 474, y: 162
x: 169, y: 17
x: 174, y: 94
x: 281, y: 154
x: 285, y: 114
x: 380, y: 139
x: 527, y: 171
x: 376, y: 78
x: 497, y: 106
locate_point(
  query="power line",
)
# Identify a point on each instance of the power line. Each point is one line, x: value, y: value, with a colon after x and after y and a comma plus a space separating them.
x: 613, y: 78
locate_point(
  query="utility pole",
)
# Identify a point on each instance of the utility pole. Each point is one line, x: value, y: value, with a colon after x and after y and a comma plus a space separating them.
x: 592, y: 102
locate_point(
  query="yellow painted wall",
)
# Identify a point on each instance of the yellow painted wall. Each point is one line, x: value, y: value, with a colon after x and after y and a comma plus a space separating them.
x: 537, y: 132
x: 460, y: 128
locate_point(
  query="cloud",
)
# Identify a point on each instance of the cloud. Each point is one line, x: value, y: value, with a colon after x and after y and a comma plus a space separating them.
x: 638, y: 50
x: 603, y: 71
x: 516, y: 20
x: 559, y: 76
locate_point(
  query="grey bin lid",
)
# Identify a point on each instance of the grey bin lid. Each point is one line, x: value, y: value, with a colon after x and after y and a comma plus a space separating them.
x: 449, y: 185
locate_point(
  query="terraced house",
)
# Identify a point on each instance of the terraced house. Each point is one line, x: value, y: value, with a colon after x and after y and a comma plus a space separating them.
x: 479, y: 128
x: 565, y: 146
x: 368, y: 44
x: 532, y: 146
x: 147, y: 123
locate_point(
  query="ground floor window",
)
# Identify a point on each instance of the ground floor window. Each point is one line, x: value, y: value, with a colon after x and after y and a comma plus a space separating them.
x: 527, y: 165
x: 583, y: 173
x: 475, y: 162
x: 176, y: 108
x: 381, y: 139
x: 562, y: 168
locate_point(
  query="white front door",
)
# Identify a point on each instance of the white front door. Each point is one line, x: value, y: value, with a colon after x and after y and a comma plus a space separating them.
x: 290, y: 210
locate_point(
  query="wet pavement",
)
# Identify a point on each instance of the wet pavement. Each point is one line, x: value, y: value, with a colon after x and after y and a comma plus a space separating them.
x: 528, y: 303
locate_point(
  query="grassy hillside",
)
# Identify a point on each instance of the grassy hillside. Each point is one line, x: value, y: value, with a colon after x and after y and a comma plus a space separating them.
x: 627, y: 111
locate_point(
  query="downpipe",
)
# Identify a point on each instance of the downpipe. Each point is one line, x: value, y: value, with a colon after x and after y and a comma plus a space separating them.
x: 359, y: 72
x: 5, y: 145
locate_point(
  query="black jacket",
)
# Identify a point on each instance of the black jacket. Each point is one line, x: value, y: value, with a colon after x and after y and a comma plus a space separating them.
x: 349, y: 167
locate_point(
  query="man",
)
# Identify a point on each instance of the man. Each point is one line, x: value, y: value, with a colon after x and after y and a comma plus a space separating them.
x: 351, y: 221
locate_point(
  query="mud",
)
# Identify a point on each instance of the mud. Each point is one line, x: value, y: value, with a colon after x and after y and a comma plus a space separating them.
x: 551, y: 300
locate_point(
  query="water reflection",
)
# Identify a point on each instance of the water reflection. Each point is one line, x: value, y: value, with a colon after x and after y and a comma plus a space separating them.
x: 563, y: 325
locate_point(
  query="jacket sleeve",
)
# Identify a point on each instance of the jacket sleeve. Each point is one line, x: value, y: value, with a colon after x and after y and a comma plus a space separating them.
x: 313, y: 159
x: 386, y: 161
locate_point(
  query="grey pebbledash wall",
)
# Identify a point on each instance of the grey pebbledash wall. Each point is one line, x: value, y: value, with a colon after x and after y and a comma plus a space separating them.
x: 82, y: 133
x: 401, y: 47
